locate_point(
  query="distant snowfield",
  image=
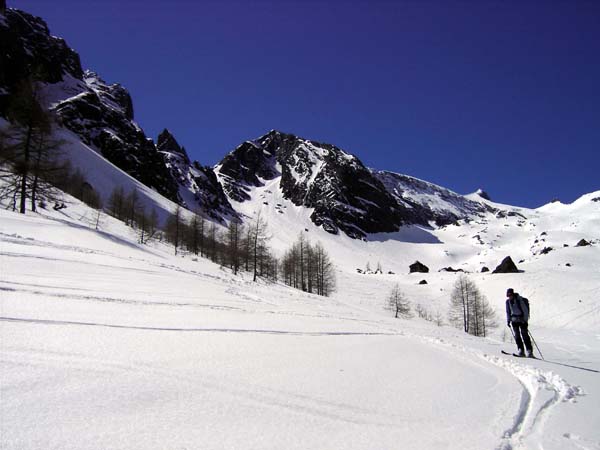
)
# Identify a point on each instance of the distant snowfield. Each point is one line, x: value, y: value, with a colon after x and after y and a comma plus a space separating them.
x: 106, y: 344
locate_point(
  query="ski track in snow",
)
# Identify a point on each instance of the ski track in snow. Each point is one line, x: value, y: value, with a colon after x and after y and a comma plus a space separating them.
x: 205, y: 330
x: 542, y: 391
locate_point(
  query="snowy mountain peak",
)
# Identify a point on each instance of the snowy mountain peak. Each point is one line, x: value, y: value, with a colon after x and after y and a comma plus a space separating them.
x: 483, y: 194
x: 343, y: 193
x: 166, y: 142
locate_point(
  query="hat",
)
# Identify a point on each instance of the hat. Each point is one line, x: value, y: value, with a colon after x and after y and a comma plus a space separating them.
x: 510, y: 291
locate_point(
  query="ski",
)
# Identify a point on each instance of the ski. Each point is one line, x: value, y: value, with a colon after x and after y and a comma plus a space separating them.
x: 517, y: 355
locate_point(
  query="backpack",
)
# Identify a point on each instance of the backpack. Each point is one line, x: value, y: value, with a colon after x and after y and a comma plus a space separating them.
x: 526, y: 301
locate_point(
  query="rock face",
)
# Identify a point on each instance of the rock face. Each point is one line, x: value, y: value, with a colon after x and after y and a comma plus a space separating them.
x: 506, y: 266
x: 344, y: 194
x: 418, y: 267
x: 166, y: 143
x: 102, y: 115
x: 342, y: 191
x: 27, y: 49
x: 199, y: 189
x: 99, y: 113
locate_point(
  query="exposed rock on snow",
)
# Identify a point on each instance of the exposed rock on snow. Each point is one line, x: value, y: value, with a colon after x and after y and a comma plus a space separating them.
x: 451, y: 269
x: 418, y: 267
x: 506, y: 266
x: 583, y: 243
x: 484, y: 195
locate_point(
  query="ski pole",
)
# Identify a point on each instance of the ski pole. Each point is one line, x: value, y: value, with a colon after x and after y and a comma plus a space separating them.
x: 535, y: 343
x: 513, y: 333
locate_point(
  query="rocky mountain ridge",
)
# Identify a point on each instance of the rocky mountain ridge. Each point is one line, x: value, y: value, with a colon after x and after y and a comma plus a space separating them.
x: 343, y: 194
x: 101, y: 115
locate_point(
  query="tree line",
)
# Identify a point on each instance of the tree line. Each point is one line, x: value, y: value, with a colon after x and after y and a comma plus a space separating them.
x: 245, y: 248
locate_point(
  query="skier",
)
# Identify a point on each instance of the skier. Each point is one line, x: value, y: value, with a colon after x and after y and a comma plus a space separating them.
x: 517, y: 316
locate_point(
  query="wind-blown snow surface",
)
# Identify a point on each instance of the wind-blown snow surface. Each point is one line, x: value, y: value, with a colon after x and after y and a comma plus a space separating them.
x: 107, y: 344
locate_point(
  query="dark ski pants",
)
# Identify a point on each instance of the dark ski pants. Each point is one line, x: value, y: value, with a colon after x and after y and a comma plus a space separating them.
x: 520, y: 329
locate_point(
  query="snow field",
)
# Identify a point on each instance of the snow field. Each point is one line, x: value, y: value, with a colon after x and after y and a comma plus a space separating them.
x: 145, y: 350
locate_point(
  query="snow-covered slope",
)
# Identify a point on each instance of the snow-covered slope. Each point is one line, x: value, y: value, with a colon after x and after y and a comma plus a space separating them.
x: 525, y: 235
x: 142, y: 349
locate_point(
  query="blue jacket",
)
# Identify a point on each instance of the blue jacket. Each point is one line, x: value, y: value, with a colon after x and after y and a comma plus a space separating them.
x: 517, y: 309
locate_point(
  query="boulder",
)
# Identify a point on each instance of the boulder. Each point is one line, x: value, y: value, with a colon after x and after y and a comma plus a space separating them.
x: 506, y: 266
x: 418, y: 267
x: 450, y: 269
x: 583, y: 243
x: 485, y: 269
x: 423, y: 282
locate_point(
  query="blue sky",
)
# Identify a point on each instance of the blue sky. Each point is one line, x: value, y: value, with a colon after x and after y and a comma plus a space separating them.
x: 502, y: 95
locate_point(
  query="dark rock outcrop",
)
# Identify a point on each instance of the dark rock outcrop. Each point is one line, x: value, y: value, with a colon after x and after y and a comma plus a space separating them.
x: 484, y: 195
x: 27, y: 50
x: 451, y: 269
x: 418, y: 267
x: 344, y: 194
x: 102, y: 114
x: 583, y: 243
x: 506, y: 266
x: 199, y: 188
x: 209, y: 195
x: 102, y: 118
x: 99, y: 113
x: 342, y: 191
x: 167, y: 143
